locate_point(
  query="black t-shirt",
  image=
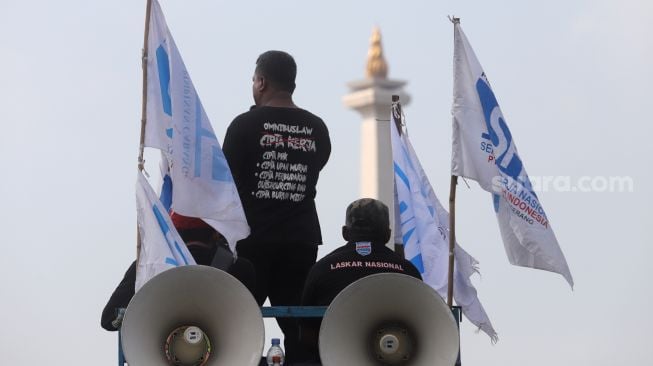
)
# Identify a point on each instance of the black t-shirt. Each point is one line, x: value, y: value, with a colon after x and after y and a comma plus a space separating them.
x: 275, y: 155
x: 340, y: 268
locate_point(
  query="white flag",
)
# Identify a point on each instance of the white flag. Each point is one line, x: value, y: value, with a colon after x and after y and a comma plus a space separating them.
x: 423, y: 228
x: 161, y: 246
x: 484, y: 150
x: 202, y: 185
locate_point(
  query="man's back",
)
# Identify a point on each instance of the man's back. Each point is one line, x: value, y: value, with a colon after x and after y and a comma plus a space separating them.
x: 275, y: 155
x: 348, y: 264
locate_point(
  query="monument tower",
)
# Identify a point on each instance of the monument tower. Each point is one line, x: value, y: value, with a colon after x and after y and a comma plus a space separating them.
x: 372, y: 98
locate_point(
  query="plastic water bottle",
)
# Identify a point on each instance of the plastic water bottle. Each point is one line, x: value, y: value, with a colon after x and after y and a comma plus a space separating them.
x: 275, y: 355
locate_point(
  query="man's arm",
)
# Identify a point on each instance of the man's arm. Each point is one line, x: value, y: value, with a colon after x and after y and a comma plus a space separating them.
x: 326, y: 147
x: 232, y: 147
x: 119, y: 299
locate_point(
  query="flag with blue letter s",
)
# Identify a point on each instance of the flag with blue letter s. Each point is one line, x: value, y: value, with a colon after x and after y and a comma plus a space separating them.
x: 484, y: 150
x: 161, y: 246
x: 423, y: 228
x: 197, y: 178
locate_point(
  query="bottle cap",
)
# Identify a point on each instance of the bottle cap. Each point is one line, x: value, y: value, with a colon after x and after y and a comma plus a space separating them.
x: 276, y: 341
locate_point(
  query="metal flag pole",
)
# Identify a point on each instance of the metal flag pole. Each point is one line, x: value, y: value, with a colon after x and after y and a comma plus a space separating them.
x: 452, y: 236
x: 141, y: 146
x: 397, y: 113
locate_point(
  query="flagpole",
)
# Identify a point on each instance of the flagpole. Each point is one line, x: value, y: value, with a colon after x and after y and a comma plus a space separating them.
x: 452, y: 220
x: 452, y: 236
x: 395, y: 108
x: 141, y: 146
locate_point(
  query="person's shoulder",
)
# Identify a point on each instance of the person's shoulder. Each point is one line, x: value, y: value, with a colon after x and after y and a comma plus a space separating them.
x: 318, y: 270
x: 242, y: 123
x: 388, y: 252
x: 308, y: 113
x: 312, y: 117
x: 246, y: 116
x: 408, y: 266
x: 341, y: 250
x: 332, y: 256
x: 411, y: 269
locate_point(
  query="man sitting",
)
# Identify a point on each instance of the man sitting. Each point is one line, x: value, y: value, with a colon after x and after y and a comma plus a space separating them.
x: 366, y: 230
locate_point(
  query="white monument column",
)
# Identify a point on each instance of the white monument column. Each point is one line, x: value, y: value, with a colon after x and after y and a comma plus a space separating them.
x: 372, y: 98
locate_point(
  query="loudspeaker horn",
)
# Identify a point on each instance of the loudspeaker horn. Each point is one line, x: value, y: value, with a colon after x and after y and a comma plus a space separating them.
x: 191, y: 316
x: 388, y: 319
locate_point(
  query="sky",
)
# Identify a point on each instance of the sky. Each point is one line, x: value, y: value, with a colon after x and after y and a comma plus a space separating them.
x: 572, y: 77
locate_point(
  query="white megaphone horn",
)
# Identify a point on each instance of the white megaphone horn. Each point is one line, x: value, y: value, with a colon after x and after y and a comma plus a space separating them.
x: 193, y: 316
x: 388, y: 319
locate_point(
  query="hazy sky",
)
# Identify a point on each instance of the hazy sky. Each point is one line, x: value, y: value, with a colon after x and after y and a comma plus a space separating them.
x: 573, y: 79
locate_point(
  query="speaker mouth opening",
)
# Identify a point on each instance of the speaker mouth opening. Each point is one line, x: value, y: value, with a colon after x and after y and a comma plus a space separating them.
x: 393, y: 344
x: 187, y: 345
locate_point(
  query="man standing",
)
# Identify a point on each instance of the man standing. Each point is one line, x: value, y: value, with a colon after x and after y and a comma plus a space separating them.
x: 275, y: 152
x: 366, y: 230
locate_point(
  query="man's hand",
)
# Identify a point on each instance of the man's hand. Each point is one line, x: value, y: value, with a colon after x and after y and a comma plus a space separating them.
x: 117, y: 323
